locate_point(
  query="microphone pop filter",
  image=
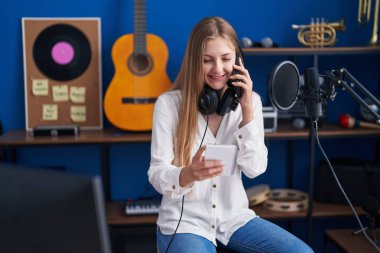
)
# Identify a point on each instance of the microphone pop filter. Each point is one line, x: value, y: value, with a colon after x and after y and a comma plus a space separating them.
x: 284, y: 85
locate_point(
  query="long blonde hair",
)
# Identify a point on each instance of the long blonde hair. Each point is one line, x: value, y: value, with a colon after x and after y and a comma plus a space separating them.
x: 190, y: 81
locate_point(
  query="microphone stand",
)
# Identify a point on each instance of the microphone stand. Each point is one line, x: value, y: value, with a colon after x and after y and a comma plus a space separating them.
x: 339, y: 79
x: 371, y: 226
x: 346, y: 81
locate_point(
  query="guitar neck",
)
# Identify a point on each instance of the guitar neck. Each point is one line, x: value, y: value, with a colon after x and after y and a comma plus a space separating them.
x: 139, y: 43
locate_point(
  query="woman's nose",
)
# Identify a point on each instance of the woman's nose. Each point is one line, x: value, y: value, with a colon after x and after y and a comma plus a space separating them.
x: 218, y: 66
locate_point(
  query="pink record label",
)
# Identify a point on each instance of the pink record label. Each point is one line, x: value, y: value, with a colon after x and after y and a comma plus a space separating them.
x: 62, y: 53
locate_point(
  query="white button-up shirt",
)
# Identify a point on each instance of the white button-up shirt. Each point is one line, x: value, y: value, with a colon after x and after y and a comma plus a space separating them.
x: 214, y: 208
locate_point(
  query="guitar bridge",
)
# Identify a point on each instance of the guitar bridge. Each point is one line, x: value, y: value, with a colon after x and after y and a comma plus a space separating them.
x: 144, y: 100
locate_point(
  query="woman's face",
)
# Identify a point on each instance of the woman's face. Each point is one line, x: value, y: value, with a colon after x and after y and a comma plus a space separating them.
x: 218, y: 59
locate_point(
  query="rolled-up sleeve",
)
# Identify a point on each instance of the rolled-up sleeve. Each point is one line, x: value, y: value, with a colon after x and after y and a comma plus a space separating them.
x: 252, y: 157
x: 162, y: 174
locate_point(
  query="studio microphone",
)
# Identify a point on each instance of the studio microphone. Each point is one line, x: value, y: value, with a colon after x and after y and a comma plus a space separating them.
x: 311, y: 95
x: 286, y: 86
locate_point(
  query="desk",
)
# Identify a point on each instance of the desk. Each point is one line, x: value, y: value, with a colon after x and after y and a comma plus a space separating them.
x: 350, y: 243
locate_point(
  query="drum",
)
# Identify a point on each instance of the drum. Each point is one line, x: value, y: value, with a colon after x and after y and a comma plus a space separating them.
x: 258, y: 194
x: 287, y: 200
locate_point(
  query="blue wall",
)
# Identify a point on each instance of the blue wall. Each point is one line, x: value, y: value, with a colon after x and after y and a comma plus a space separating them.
x: 173, y: 21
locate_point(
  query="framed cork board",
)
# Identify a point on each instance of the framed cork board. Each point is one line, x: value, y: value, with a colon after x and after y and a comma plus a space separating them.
x: 62, y: 72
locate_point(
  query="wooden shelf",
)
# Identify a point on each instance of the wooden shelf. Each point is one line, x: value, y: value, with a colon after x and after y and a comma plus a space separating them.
x: 350, y: 243
x: 312, y: 51
x: 116, y: 216
x: 114, y: 136
x: 319, y: 210
x: 286, y: 131
x: 23, y: 138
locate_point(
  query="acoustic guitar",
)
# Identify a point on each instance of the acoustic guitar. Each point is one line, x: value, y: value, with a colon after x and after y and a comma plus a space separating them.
x: 140, y: 76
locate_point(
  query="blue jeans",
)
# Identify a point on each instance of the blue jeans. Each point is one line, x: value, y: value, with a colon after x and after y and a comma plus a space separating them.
x: 257, y: 236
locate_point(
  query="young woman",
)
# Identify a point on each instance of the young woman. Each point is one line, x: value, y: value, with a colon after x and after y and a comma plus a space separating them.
x: 200, y: 208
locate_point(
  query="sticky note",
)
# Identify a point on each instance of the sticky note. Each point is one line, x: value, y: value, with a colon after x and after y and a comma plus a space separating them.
x: 78, y: 113
x: 78, y: 94
x: 50, y: 112
x: 60, y: 93
x: 40, y: 87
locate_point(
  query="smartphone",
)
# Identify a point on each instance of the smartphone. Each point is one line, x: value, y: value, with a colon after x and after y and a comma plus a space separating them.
x: 225, y: 153
x: 238, y: 90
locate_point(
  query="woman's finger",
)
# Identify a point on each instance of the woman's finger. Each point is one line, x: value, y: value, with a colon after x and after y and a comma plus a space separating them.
x: 198, y: 155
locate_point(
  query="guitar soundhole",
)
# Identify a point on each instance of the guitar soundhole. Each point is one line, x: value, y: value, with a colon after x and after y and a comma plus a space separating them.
x: 140, y: 64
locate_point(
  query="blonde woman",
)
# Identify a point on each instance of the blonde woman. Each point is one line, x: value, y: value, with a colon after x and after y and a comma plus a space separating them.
x: 201, y: 209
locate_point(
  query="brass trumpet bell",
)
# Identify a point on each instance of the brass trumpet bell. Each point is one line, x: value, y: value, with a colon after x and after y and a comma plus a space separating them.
x: 319, y: 33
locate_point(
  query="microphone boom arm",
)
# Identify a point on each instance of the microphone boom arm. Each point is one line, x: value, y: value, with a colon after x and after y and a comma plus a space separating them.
x: 340, y: 78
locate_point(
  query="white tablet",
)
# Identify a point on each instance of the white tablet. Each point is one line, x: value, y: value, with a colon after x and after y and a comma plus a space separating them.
x: 226, y: 154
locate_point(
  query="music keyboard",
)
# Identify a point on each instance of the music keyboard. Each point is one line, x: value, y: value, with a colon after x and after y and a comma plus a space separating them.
x: 145, y: 206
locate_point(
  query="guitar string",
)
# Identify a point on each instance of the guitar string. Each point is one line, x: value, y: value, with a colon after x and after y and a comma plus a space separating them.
x: 143, y: 63
x: 140, y: 17
x: 136, y: 58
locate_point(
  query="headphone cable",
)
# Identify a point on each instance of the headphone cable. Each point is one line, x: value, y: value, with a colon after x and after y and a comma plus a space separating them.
x: 183, y: 197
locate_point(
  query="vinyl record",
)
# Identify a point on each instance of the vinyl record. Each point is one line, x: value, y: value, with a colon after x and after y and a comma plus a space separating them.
x: 62, y: 52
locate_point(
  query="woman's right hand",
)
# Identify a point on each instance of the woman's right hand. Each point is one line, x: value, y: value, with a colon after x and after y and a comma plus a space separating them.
x: 200, y: 169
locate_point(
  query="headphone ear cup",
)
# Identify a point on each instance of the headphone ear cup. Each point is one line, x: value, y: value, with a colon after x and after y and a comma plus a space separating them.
x: 225, y: 102
x: 208, y: 101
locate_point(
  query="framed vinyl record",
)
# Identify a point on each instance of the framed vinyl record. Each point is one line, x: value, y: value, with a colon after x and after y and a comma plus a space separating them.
x: 62, y: 72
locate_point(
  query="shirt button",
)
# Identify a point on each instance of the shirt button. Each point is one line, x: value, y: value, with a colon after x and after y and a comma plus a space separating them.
x: 214, y: 185
x: 240, y: 136
x: 213, y: 226
x: 173, y: 187
x: 213, y: 206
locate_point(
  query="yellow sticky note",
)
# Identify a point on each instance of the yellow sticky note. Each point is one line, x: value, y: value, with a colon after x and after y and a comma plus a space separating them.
x: 40, y: 87
x: 78, y: 113
x: 78, y: 94
x: 60, y: 93
x: 49, y: 112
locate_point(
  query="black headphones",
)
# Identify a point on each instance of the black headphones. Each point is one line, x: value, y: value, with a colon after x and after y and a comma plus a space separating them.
x: 210, y: 100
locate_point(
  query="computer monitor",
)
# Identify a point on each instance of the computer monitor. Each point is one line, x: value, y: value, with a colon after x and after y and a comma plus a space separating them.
x: 43, y: 210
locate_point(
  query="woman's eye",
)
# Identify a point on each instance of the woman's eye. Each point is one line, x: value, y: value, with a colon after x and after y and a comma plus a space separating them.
x: 227, y: 59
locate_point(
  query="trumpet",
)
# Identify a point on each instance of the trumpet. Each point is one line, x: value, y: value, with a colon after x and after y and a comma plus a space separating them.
x: 364, y: 11
x: 364, y: 15
x: 374, y: 39
x: 319, y: 33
